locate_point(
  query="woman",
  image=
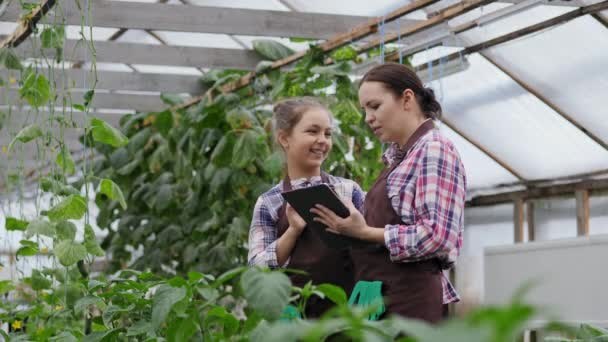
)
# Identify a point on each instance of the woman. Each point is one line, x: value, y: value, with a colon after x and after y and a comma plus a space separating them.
x: 413, y: 214
x: 278, y: 236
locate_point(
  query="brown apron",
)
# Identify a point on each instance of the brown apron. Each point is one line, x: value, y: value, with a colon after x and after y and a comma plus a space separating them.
x: 323, y: 264
x: 414, y: 289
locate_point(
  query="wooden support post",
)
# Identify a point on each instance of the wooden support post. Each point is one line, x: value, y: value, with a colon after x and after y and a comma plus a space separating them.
x: 582, y: 212
x: 530, y: 221
x: 518, y: 220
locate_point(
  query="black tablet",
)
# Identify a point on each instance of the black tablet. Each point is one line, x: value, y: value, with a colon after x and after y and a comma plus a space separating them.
x: 304, y: 199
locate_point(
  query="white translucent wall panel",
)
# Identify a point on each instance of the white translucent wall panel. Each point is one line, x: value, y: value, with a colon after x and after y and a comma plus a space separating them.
x: 569, y: 66
x: 158, y: 69
x: 506, y: 24
x: 7, y: 28
x: 273, y: 5
x: 137, y: 36
x: 517, y: 127
x: 211, y: 40
x: 484, y: 227
x: 357, y: 7
x: 493, y: 226
x: 99, y: 33
x: 248, y: 41
x: 481, y: 170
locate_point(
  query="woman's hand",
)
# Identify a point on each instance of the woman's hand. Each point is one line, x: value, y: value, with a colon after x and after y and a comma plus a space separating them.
x: 295, y: 220
x: 354, y: 225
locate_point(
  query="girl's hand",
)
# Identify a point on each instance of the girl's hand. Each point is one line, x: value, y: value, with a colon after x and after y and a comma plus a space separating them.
x: 295, y: 220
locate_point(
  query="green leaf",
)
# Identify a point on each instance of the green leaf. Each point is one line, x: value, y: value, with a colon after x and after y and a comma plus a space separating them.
x: 39, y: 281
x: 15, y: 224
x: 140, y: 328
x: 338, y: 69
x: 335, y: 293
x: 2, y: 114
x: 28, y: 248
x: 65, y: 162
x: 245, y: 149
x: 271, y: 49
x: 72, y: 207
x: 6, y: 286
x: 53, y: 37
x: 112, y: 190
x: 222, y: 154
x: 39, y: 227
x: 26, y: 134
x: 64, y: 337
x: 10, y: 59
x: 219, y: 315
x: 36, y: 89
x: 90, y: 241
x: 65, y: 230
x: 88, y: 97
x: 164, y: 122
x: 164, y: 299
x: 345, y: 53
x: 106, y: 134
x: 99, y: 336
x: 267, y: 293
x: 85, y: 302
x: 182, y: 330
x: 263, y: 66
x: 69, y: 252
x: 171, y: 99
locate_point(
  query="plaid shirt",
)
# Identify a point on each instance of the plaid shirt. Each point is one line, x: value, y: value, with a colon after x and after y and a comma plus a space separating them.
x: 427, y: 190
x: 263, y: 230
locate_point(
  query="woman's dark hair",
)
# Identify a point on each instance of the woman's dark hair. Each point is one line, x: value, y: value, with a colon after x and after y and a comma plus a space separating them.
x: 397, y: 78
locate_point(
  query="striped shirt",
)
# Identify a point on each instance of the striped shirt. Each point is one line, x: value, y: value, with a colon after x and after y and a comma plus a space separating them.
x: 263, y: 231
x: 428, y: 191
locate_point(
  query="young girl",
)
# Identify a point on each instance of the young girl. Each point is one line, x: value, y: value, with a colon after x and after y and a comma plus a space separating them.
x: 278, y: 236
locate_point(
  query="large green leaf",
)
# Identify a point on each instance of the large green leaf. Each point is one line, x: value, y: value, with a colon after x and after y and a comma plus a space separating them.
x: 112, y: 311
x: 245, y: 149
x: 335, y: 293
x: 164, y: 122
x: 338, y: 69
x: 66, y: 230
x: 15, y: 224
x: 112, y: 190
x: 87, y: 301
x: 39, y: 227
x: 10, y: 59
x: 26, y: 134
x: 182, y: 329
x: 39, y: 281
x: 140, y: 328
x: 271, y: 49
x: 6, y: 286
x: 219, y: 316
x: 222, y: 154
x: 69, y: 252
x: 53, y: 37
x: 65, y: 162
x: 165, y: 298
x: 103, y: 132
x: 102, y: 336
x: 267, y: 293
x: 90, y: 241
x: 72, y: 207
x: 36, y: 89
x: 28, y: 248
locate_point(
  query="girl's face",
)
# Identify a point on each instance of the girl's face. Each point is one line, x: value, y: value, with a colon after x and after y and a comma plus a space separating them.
x: 310, y: 141
x: 385, y: 113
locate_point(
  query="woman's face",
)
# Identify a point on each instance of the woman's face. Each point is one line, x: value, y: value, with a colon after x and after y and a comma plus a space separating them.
x: 310, y: 141
x: 385, y: 113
